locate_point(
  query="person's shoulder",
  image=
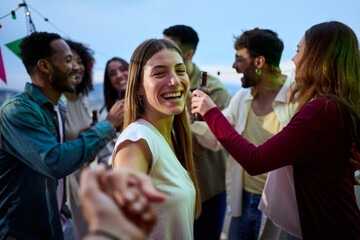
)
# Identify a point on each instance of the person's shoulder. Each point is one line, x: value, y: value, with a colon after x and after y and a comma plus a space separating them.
x: 20, y: 99
x: 328, y: 105
x: 139, y: 128
x: 18, y: 107
x: 321, y: 107
x: 320, y: 103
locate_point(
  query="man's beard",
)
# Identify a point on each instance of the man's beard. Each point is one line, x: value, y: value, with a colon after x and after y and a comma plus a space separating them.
x: 250, y: 78
x: 248, y: 82
x: 60, y: 81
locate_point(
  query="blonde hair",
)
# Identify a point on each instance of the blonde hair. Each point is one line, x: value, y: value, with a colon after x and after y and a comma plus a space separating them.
x: 181, y: 135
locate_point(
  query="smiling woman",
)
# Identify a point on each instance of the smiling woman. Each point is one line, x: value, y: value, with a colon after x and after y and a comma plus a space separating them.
x: 317, y: 141
x: 78, y: 121
x: 164, y: 86
x: 156, y: 137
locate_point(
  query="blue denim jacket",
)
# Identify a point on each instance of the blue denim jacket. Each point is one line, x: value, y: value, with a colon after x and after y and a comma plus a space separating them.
x: 31, y: 161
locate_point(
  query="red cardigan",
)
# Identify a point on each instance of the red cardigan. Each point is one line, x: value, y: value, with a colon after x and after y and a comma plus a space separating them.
x: 317, y: 143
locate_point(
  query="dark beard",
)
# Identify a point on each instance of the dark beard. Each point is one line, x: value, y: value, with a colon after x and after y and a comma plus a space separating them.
x: 249, y: 82
x: 59, y: 81
x: 250, y: 78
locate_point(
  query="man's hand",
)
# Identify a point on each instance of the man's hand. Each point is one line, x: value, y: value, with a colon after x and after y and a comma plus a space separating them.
x: 116, y: 115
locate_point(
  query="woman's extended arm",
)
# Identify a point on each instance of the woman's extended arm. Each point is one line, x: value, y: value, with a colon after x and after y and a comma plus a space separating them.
x: 300, y: 141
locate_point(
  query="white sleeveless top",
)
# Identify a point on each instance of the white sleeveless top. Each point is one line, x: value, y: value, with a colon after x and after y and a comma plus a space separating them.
x: 176, y: 214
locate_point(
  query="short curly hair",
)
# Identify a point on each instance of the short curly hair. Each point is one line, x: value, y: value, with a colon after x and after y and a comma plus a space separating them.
x: 261, y: 42
x: 87, y: 58
x: 36, y: 46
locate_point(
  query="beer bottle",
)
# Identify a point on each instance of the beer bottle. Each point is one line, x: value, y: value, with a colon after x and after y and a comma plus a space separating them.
x: 205, y: 89
x: 122, y: 94
x: 94, y: 118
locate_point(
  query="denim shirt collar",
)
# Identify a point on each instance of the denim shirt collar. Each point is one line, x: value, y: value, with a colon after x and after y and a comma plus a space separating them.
x: 40, y: 98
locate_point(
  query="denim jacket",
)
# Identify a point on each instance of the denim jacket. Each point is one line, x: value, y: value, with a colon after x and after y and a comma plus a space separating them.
x: 32, y: 160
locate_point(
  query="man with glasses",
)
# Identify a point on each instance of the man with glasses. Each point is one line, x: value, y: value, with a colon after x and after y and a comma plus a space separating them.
x: 258, y: 111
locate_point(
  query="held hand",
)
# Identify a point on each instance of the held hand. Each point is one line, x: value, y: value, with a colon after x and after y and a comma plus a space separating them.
x: 201, y: 103
x: 132, y: 217
x: 116, y: 114
x: 122, y: 182
x: 134, y: 192
x: 101, y: 211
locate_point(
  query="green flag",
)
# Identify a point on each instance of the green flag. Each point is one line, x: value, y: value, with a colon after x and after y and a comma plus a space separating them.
x: 14, y: 46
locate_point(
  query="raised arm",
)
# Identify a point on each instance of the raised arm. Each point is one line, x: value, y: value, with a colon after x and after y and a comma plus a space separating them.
x: 298, y: 142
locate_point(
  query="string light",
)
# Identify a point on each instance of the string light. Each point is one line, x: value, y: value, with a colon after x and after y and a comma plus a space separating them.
x: 13, y: 15
x: 32, y: 26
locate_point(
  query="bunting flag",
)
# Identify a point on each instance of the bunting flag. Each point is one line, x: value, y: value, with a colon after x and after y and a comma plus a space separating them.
x: 2, y: 69
x: 14, y: 46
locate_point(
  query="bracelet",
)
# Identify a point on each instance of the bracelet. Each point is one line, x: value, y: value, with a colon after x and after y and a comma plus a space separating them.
x: 103, y: 234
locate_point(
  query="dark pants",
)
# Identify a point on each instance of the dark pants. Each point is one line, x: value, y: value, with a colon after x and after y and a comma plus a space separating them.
x: 209, y: 225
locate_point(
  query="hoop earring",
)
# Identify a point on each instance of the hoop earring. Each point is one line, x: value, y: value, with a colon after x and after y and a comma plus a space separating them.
x: 258, y: 71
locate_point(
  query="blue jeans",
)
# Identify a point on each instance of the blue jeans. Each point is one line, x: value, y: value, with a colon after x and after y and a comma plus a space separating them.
x: 209, y: 225
x: 247, y: 226
x: 69, y: 233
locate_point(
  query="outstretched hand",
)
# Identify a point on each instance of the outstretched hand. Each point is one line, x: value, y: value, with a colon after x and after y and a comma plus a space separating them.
x: 201, y: 103
x: 118, y: 202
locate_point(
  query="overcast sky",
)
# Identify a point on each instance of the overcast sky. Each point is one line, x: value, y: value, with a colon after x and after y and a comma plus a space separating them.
x: 117, y: 27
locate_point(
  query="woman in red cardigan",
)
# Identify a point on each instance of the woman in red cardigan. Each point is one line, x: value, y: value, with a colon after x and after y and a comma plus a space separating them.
x: 317, y: 141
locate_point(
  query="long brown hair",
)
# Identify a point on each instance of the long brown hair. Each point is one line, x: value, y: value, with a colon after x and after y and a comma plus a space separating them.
x: 111, y: 95
x: 330, y: 67
x: 181, y: 135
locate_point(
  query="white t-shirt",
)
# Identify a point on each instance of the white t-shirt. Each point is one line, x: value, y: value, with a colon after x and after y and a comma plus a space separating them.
x: 176, y: 214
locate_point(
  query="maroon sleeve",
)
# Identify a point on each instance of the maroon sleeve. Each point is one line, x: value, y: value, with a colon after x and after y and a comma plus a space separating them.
x: 298, y: 142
